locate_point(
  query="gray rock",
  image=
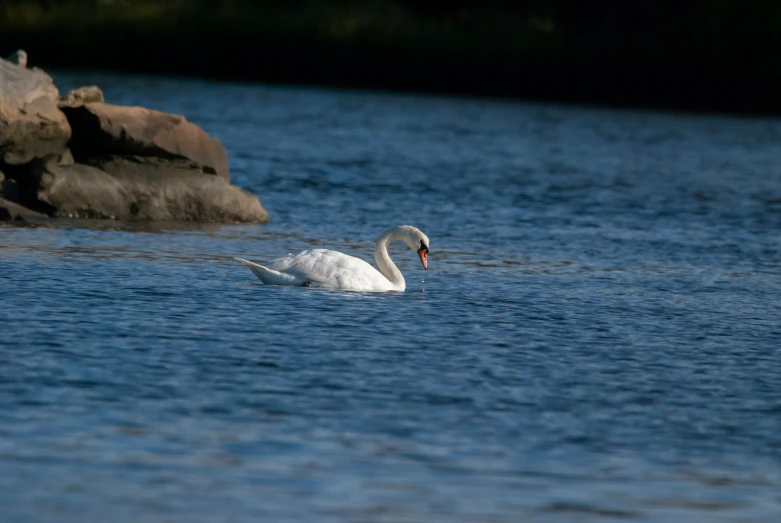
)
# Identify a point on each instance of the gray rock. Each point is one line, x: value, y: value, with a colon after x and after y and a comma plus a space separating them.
x: 31, y: 125
x: 13, y: 211
x: 82, y: 95
x: 141, y: 188
x: 112, y: 129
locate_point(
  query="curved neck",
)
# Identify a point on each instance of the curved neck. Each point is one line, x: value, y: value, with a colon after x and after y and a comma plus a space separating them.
x: 384, y: 263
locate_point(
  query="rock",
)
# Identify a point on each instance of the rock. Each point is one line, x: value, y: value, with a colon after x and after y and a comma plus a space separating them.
x: 31, y: 125
x: 18, y: 57
x: 141, y: 188
x: 120, y: 162
x: 82, y: 95
x: 83, y: 192
x: 9, y: 189
x: 112, y: 129
x: 64, y: 157
x: 13, y: 211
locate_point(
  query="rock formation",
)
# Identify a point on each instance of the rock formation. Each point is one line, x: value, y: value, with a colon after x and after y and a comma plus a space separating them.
x: 112, y: 129
x: 82, y: 95
x: 31, y: 124
x: 77, y: 156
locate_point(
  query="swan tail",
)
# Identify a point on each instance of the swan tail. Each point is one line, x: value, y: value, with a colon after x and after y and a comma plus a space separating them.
x: 269, y: 276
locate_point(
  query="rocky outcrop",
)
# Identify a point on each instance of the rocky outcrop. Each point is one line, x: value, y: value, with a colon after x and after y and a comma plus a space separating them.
x: 139, y: 188
x: 13, y: 211
x: 102, y: 128
x: 82, y: 95
x: 31, y: 124
x: 8, y: 187
x: 18, y: 57
x: 77, y: 156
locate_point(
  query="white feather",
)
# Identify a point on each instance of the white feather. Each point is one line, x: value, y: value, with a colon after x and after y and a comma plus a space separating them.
x: 335, y: 270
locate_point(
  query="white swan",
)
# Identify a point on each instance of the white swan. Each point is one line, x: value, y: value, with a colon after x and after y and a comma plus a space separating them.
x: 333, y: 270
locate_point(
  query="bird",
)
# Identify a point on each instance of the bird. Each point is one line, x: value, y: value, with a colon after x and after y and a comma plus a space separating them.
x: 333, y: 270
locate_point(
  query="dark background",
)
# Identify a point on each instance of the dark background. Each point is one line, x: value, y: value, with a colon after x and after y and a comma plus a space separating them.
x: 693, y: 55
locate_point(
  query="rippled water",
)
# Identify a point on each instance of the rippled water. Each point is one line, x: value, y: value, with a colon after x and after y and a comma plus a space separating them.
x: 598, y: 336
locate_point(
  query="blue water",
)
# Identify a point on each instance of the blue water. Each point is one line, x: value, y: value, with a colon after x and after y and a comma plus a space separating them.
x: 598, y: 336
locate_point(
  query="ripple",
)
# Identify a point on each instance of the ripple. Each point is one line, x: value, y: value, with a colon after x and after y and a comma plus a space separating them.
x: 596, y: 338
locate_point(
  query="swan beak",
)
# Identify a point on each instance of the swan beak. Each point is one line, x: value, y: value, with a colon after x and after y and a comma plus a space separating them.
x: 423, y: 253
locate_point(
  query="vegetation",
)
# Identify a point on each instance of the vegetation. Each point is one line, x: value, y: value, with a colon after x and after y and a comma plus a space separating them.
x: 689, y: 54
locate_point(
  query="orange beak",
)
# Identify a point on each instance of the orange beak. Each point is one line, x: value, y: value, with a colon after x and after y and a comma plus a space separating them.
x: 423, y: 253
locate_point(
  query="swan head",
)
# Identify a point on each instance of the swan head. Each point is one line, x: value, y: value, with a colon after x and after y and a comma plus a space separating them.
x: 417, y: 241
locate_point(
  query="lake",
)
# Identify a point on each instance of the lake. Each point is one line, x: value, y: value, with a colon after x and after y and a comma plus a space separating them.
x: 598, y: 336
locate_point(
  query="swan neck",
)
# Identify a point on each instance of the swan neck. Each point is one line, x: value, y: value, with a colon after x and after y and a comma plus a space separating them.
x: 384, y: 262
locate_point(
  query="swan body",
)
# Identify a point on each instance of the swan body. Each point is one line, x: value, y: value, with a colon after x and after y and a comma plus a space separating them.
x: 334, y: 270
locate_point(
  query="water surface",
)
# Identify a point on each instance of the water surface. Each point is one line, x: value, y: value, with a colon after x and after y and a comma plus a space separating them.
x: 597, y: 338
